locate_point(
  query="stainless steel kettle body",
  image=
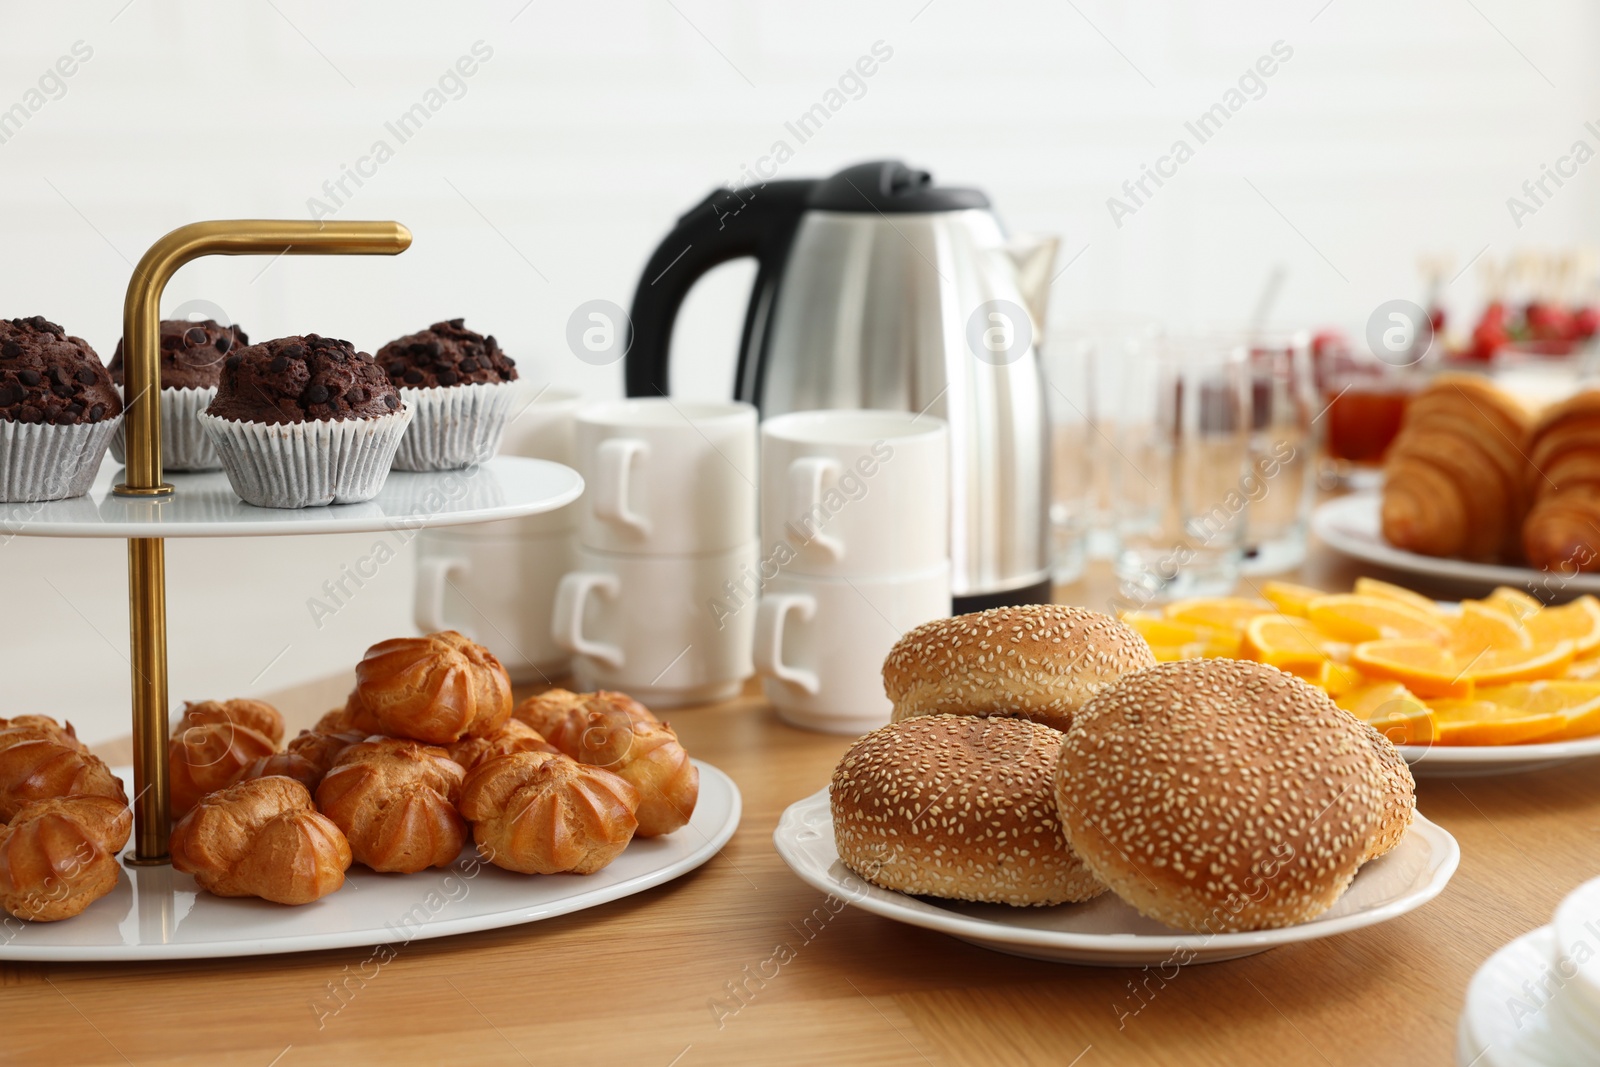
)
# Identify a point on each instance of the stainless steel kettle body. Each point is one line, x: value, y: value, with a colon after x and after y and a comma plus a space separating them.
x: 877, y: 290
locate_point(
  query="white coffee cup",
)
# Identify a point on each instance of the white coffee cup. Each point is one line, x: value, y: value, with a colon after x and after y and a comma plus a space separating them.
x: 820, y: 643
x: 497, y: 586
x: 661, y: 628
x: 667, y: 477
x: 540, y: 426
x: 856, y: 493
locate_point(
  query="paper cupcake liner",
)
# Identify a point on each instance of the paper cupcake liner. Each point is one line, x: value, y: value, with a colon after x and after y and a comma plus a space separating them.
x: 184, y: 445
x: 455, y: 426
x: 307, y: 464
x: 43, y: 462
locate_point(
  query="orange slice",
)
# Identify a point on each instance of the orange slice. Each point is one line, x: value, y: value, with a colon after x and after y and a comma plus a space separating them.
x: 1340, y: 678
x: 1519, y: 665
x: 1479, y: 629
x: 1393, y: 711
x: 1578, y: 622
x: 1192, y: 639
x: 1577, y: 703
x: 1369, y: 618
x: 1399, y: 594
x: 1219, y: 612
x: 1421, y: 666
x: 1290, y: 642
x: 1513, y: 602
x: 1289, y: 598
x: 1483, y: 722
x: 1584, y: 670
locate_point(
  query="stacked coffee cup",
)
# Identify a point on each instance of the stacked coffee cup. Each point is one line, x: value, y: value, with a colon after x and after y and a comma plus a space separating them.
x: 855, y: 550
x: 496, y: 581
x: 662, y: 602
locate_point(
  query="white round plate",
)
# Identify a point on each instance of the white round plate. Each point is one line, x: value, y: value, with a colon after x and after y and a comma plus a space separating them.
x: 1482, y: 761
x: 1105, y: 931
x: 205, y: 505
x: 1523, y: 1010
x: 1350, y: 525
x: 156, y: 913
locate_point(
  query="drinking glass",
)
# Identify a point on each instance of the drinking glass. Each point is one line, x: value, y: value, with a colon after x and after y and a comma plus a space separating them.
x: 1180, y: 488
x: 1083, y: 363
x: 1282, y: 444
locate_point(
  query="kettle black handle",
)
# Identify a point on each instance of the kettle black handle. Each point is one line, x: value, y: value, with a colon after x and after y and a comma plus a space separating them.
x: 757, y: 221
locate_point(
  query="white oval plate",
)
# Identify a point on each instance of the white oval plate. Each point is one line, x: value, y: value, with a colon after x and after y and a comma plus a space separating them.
x: 1351, y: 525
x: 1482, y: 761
x: 1105, y: 931
x: 156, y: 913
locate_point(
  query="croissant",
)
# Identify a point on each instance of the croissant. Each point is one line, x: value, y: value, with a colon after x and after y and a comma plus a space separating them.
x: 437, y: 688
x: 514, y: 736
x: 38, y: 728
x: 1456, y: 482
x: 261, y: 838
x: 614, y: 731
x: 203, y: 758
x: 39, y: 769
x: 539, y: 813
x: 59, y: 856
x: 1562, y: 531
x: 395, y: 800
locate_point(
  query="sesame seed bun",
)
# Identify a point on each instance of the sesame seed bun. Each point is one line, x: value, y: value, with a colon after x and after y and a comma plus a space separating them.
x: 1397, y: 790
x: 958, y: 807
x: 1219, y: 795
x: 1038, y: 661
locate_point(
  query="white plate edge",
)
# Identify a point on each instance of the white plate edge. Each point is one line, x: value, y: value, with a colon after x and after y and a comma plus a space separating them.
x: 433, y: 929
x: 960, y: 926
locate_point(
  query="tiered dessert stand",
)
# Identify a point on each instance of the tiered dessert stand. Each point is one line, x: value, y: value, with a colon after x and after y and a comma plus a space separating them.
x: 156, y: 912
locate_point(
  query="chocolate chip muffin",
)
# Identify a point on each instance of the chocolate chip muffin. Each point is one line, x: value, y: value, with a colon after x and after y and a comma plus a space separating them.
x: 302, y: 379
x: 458, y: 384
x: 445, y: 354
x: 191, y: 353
x: 49, y: 377
x: 305, y: 421
x: 58, y: 411
x: 191, y: 356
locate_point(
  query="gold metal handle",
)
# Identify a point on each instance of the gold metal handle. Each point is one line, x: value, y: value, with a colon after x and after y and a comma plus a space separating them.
x: 141, y: 336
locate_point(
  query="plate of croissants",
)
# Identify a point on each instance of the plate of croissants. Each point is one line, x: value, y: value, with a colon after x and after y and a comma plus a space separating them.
x: 1479, y: 488
x: 428, y: 805
x: 1047, y: 789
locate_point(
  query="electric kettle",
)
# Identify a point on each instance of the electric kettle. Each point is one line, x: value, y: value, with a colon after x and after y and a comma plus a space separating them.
x: 876, y: 288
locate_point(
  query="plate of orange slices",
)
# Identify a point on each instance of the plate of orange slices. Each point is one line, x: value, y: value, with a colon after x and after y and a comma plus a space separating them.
x: 1480, y: 687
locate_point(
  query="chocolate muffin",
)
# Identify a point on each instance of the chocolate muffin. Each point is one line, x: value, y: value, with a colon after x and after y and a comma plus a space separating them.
x: 191, y: 353
x: 58, y: 412
x: 302, y: 379
x: 305, y: 421
x: 50, y: 378
x: 445, y: 354
x: 458, y: 386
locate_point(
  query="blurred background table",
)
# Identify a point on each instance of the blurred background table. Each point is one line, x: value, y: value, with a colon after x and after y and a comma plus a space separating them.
x: 690, y: 973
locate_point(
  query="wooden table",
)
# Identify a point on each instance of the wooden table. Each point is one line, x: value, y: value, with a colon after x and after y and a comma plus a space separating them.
x: 672, y: 976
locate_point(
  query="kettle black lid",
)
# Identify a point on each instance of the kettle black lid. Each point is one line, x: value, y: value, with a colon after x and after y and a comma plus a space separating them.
x: 889, y: 186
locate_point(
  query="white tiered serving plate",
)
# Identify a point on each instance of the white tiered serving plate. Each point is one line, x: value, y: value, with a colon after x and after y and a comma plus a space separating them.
x: 157, y: 913
x: 205, y: 505
x: 1105, y: 931
x: 1350, y: 525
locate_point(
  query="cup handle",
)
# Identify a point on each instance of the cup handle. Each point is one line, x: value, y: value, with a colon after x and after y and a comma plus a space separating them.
x: 433, y: 574
x: 613, y: 478
x: 806, y: 476
x: 566, y: 618
x: 771, y: 617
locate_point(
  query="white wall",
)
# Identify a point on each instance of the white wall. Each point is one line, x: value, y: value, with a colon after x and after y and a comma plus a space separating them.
x: 1392, y: 131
